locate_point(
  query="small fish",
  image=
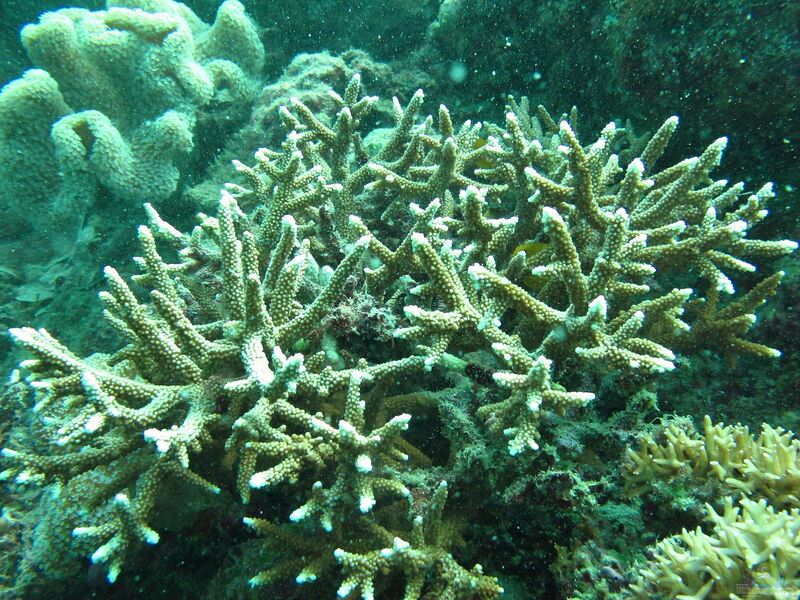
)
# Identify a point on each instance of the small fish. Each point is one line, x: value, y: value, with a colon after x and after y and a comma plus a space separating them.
x: 485, y: 162
x: 531, y: 248
x: 532, y: 251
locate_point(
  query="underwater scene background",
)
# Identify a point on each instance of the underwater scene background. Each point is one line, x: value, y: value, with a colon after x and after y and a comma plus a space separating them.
x: 437, y: 299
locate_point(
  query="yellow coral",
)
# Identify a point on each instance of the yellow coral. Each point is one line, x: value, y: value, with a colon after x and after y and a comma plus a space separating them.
x: 752, y: 551
x: 767, y: 466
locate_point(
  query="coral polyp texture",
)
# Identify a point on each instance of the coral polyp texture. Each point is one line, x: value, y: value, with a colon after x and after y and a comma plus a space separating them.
x: 751, y: 542
x: 108, y: 118
x: 514, y: 250
x: 766, y: 466
x: 752, y: 548
x: 131, y: 124
x: 123, y: 131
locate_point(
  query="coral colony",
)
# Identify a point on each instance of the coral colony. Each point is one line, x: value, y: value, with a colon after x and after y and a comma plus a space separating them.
x: 287, y: 344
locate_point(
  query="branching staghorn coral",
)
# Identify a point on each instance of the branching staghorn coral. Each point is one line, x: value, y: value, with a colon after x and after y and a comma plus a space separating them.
x: 168, y: 411
x: 369, y: 550
x: 607, y: 234
x: 751, y: 550
x: 515, y: 240
x: 767, y: 466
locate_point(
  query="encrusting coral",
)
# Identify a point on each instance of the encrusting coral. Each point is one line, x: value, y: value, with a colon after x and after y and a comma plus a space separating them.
x: 516, y: 241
